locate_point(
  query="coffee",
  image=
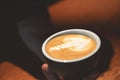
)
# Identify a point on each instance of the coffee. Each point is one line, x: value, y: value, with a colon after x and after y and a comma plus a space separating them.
x: 70, y: 46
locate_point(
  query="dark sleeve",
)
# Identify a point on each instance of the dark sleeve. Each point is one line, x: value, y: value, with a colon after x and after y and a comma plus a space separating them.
x: 33, y: 31
x: 33, y: 23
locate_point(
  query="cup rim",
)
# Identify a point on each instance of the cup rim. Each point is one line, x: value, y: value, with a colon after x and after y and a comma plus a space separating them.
x: 70, y: 31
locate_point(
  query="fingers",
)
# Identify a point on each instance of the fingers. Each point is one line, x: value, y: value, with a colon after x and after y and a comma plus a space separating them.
x: 92, y: 76
x: 44, y: 68
x: 48, y: 73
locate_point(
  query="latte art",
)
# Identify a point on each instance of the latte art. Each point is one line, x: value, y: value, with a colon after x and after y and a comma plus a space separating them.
x: 70, y: 46
x: 77, y: 43
x: 72, y: 43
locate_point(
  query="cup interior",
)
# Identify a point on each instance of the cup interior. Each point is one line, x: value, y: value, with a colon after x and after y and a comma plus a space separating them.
x: 88, y: 33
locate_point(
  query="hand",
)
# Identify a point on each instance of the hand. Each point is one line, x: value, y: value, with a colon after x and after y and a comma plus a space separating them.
x: 49, y: 74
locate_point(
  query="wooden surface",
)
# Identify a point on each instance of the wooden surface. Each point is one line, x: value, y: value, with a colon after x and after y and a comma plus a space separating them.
x: 9, y: 71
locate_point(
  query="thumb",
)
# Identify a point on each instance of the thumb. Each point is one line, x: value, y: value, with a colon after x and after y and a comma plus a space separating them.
x: 48, y: 73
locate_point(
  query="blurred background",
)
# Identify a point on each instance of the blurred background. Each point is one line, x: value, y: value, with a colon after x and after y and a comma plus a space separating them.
x: 14, y: 49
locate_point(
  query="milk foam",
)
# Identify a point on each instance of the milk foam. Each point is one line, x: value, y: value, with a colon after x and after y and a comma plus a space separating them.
x: 72, y: 43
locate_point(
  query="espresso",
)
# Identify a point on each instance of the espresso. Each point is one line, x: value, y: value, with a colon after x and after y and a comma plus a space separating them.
x: 70, y: 46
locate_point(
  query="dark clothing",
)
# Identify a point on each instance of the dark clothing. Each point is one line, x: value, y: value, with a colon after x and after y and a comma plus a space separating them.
x: 14, y: 47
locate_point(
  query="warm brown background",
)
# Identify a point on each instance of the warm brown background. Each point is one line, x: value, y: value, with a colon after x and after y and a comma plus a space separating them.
x: 84, y: 11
